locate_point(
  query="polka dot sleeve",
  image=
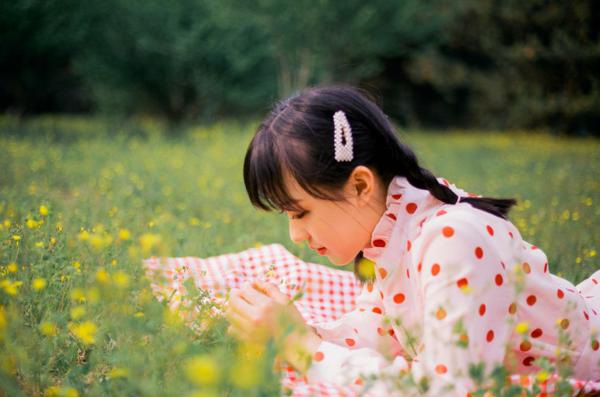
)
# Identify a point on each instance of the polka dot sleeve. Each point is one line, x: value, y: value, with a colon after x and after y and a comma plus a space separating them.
x: 466, y: 296
x: 355, y: 344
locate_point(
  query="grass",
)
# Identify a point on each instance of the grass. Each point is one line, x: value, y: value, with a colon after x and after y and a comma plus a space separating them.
x: 82, y: 201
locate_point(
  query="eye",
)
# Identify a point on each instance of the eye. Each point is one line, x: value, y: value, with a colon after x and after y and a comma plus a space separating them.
x: 299, y: 216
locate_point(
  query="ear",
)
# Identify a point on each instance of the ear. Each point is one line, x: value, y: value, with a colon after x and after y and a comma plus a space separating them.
x: 362, y: 185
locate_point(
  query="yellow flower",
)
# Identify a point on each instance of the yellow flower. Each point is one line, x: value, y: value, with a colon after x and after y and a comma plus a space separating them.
x: 3, y: 321
x: 39, y: 244
x: 83, y: 235
x: 124, y: 234
x: 102, y: 276
x: 43, y: 210
x: 76, y: 265
x: 149, y: 241
x: 139, y: 314
x: 202, y: 393
x: 59, y: 227
x: 10, y: 287
x: 38, y: 284
x: 16, y: 237
x: 244, y: 374
x: 118, y: 372
x: 366, y: 269
x: 121, y: 279
x: 56, y: 391
x: 522, y: 327
x: 202, y: 370
x: 48, y: 328
x: 77, y: 312
x: 32, y: 224
x: 77, y: 295
x: 86, y: 331
x: 12, y: 267
x: 542, y: 376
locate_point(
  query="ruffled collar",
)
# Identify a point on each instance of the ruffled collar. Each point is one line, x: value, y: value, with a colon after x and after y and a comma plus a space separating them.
x: 405, y: 205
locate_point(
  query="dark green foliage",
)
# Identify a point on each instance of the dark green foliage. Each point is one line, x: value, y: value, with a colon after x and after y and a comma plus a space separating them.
x: 486, y: 64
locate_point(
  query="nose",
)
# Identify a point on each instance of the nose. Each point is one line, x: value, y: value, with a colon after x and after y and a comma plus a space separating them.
x: 297, y: 233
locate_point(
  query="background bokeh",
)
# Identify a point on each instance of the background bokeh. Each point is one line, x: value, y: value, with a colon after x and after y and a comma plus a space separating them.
x: 434, y: 63
x: 123, y: 128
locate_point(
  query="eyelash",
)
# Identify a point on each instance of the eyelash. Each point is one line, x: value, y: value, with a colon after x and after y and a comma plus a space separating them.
x: 299, y: 216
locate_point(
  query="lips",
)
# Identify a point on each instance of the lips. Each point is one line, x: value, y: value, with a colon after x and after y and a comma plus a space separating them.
x: 322, y: 250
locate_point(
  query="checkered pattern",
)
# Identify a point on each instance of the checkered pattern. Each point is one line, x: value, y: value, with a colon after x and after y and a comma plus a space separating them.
x: 327, y: 294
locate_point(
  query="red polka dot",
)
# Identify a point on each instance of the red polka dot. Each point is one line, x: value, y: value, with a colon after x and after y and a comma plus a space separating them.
x: 379, y: 243
x: 358, y: 381
x: 595, y: 345
x: 407, y: 274
x: 531, y: 299
x: 319, y: 356
x: 536, y: 333
x: 382, y: 272
x: 512, y: 309
x: 533, y: 247
x: 391, y: 332
x: 526, y: 267
x: 490, y: 336
x: 564, y: 323
x: 463, y: 282
x: 411, y: 208
x: 586, y: 315
x: 370, y: 287
x: 510, y: 234
x: 350, y: 342
x: 499, y: 279
x: 392, y: 216
x: 440, y: 213
x: 482, y: 309
x: 408, y: 245
x: 419, y: 266
x: 525, y: 346
x: 528, y: 361
x: 399, y: 298
x: 546, y: 267
x: 479, y: 252
x: 377, y: 310
x: 441, y: 369
x: 448, y: 231
x: 380, y: 331
x: 560, y: 293
x: 490, y: 230
x: 435, y: 269
x: 396, y: 196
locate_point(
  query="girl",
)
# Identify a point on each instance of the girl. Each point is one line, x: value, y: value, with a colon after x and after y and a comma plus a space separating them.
x: 455, y: 287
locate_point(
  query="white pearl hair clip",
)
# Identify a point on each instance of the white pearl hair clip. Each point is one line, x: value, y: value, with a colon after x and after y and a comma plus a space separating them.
x: 343, y: 152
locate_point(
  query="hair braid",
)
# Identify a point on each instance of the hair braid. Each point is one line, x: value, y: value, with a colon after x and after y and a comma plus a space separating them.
x: 422, y: 178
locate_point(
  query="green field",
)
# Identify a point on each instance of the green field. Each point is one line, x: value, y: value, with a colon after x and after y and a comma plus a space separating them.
x: 82, y: 201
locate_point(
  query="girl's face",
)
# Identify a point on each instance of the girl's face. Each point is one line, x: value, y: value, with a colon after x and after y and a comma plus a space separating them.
x: 338, y: 229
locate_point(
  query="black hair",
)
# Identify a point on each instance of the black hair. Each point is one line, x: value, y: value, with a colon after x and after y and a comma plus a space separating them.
x: 297, y: 138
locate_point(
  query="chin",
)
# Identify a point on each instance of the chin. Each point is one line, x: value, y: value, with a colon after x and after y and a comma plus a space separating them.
x: 340, y: 262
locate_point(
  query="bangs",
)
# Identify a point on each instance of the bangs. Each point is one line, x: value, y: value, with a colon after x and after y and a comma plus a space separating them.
x: 264, y: 177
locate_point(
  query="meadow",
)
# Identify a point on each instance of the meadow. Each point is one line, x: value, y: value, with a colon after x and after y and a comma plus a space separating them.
x: 83, y: 201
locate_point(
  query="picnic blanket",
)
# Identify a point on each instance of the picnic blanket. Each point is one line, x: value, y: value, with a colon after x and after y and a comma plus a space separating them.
x: 327, y: 294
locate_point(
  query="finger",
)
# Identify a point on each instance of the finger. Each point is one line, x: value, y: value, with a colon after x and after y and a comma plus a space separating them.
x: 254, y: 296
x: 272, y: 291
x: 242, y: 308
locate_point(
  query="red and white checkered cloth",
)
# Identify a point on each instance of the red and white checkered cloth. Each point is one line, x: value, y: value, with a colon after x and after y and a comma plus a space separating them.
x: 327, y: 294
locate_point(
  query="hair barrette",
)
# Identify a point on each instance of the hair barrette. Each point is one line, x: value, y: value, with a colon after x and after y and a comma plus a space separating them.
x: 342, y: 139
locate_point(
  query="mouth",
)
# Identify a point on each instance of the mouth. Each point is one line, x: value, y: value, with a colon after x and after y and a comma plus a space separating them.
x: 322, y: 250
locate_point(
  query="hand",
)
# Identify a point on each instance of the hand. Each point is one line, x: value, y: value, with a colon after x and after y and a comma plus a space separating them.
x: 259, y: 311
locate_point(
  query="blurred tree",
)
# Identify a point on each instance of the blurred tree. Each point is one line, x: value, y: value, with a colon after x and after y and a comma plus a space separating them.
x: 38, y: 40
x: 514, y: 64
